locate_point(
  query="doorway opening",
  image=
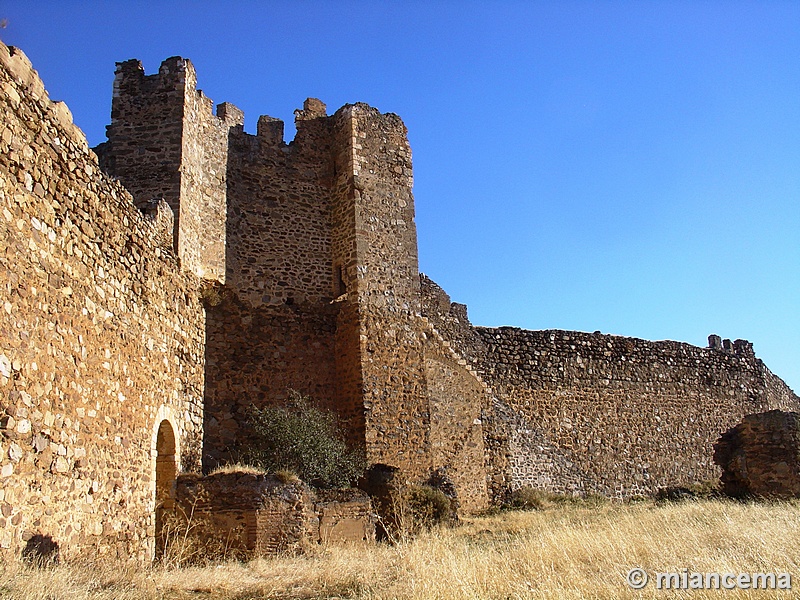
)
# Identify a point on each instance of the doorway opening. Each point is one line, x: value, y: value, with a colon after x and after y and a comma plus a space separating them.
x: 166, y: 472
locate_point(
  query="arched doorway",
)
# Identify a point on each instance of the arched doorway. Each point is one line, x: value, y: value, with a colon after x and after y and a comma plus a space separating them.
x: 166, y: 472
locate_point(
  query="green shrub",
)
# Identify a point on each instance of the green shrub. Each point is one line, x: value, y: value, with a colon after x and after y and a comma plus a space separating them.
x: 409, y: 510
x: 428, y: 505
x: 302, y: 439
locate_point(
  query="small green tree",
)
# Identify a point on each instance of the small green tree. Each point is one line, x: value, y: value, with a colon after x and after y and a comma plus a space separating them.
x: 305, y: 440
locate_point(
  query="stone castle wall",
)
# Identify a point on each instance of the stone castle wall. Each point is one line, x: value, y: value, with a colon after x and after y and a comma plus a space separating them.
x: 234, y: 267
x: 101, y: 338
x: 579, y: 413
x: 384, y: 285
x: 459, y: 399
x: 274, y: 326
x: 165, y: 143
x: 279, y: 251
x: 255, y: 356
x: 204, y: 157
x: 451, y: 321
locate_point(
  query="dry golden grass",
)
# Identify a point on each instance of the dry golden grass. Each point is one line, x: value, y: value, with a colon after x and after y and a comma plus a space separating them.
x: 237, y: 468
x: 563, y: 552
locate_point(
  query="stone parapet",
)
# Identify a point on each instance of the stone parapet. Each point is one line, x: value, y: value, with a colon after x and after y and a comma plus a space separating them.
x: 592, y: 413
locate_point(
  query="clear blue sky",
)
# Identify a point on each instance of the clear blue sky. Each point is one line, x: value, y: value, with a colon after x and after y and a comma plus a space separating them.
x: 628, y: 167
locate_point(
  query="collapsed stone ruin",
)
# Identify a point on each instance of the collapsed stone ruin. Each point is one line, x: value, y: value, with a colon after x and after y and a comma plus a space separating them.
x: 249, y: 514
x: 760, y: 457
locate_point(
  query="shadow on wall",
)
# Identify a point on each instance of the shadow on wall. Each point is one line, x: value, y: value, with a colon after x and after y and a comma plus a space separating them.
x: 271, y: 326
x: 41, y: 550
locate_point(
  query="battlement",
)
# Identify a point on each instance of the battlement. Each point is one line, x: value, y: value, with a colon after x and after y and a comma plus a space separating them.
x: 313, y: 108
x: 176, y: 74
x: 165, y: 142
x: 130, y: 78
x: 230, y: 114
x: 738, y: 347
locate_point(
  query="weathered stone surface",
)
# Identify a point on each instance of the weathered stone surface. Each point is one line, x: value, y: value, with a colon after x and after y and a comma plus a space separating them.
x: 101, y: 337
x: 164, y: 143
x: 579, y: 413
x: 761, y: 456
x: 344, y: 516
x: 262, y: 514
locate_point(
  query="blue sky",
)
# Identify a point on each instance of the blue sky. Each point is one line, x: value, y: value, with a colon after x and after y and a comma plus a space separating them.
x: 628, y: 167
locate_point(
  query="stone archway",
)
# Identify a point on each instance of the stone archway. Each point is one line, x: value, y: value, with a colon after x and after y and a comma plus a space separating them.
x: 166, y: 472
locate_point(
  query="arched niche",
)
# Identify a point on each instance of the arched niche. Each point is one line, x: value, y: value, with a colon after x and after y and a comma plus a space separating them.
x: 165, y: 451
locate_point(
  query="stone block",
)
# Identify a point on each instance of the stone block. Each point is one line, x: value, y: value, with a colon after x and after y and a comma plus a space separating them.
x: 761, y: 456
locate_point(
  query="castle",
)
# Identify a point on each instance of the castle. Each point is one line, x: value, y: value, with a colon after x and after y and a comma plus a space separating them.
x: 154, y: 288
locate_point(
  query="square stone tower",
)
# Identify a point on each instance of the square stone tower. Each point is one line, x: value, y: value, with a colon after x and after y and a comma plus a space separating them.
x: 165, y: 143
x: 309, y: 252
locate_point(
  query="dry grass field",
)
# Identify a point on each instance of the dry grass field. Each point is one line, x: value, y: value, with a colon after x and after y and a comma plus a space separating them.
x: 563, y: 552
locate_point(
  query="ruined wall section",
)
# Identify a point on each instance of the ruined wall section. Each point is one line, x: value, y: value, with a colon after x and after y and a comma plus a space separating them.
x: 459, y: 400
x: 513, y: 446
x: 248, y: 515
x: 101, y: 336
x: 614, y: 415
x: 761, y: 456
x: 383, y: 291
x: 272, y: 327
x: 450, y: 320
x: 165, y: 142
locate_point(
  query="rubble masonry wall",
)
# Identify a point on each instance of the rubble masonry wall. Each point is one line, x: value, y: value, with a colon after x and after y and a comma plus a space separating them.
x: 272, y: 327
x: 591, y: 413
x: 101, y: 338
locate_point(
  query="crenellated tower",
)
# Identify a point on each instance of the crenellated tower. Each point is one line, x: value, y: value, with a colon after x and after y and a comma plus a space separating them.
x: 314, y: 248
x: 164, y: 142
x: 375, y: 260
